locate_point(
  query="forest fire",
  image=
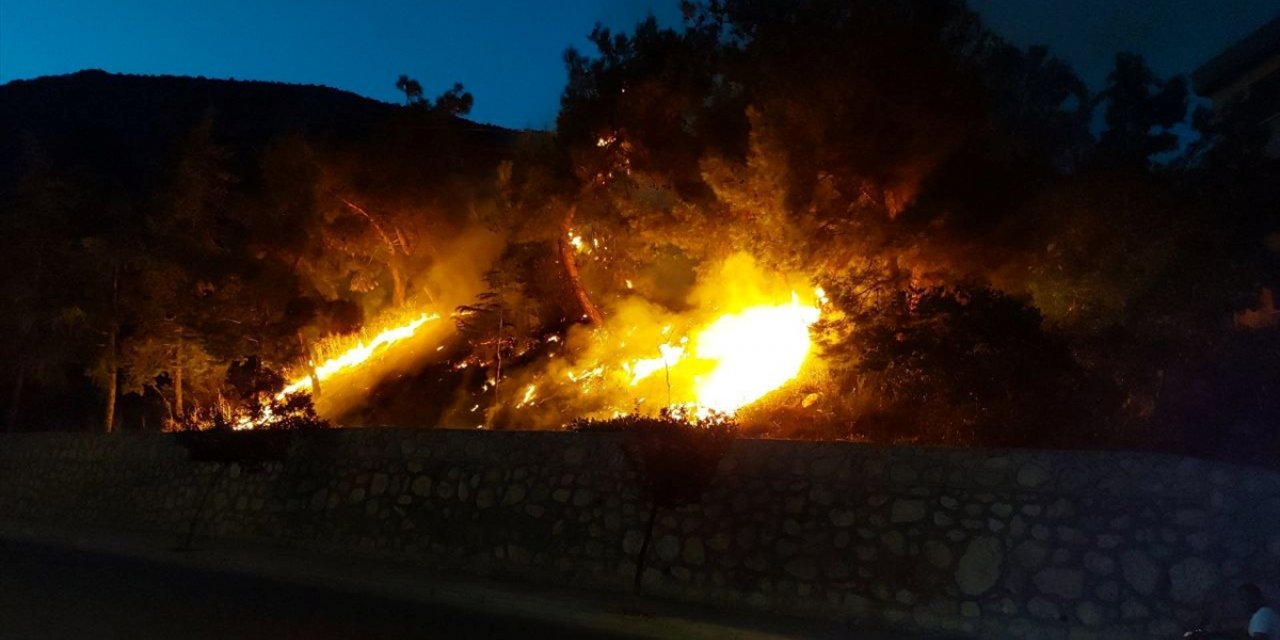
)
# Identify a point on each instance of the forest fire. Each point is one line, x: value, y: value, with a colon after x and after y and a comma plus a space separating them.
x: 745, y: 334
x: 756, y: 351
x: 344, y: 362
x: 360, y: 353
x: 1079, y: 265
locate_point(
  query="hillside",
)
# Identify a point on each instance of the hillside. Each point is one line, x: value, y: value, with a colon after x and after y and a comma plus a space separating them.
x: 125, y: 127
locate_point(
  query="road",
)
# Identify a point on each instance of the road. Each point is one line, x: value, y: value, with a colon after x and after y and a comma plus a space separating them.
x: 50, y: 592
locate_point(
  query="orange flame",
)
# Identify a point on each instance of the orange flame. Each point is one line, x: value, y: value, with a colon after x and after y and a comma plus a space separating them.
x: 343, y: 362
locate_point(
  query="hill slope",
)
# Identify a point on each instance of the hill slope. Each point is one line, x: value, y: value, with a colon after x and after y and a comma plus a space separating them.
x: 124, y: 127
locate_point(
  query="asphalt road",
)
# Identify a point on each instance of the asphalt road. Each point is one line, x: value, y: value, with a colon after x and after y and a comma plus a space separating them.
x: 54, y: 592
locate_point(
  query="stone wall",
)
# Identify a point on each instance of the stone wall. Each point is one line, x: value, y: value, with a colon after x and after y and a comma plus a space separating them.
x: 980, y: 543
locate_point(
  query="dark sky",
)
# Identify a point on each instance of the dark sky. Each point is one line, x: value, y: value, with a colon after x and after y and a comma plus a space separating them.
x: 508, y: 53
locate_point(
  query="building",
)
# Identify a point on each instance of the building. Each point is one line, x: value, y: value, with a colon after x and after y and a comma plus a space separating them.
x: 1247, y: 70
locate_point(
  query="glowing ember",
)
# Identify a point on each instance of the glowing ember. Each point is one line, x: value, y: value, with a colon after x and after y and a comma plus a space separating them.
x: 528, y: 396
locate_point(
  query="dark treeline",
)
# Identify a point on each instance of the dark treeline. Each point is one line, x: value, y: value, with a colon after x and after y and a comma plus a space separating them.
x: 999, y: 272
x: 168, y: 241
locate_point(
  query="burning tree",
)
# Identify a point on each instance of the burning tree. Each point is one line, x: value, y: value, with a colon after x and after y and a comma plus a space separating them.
x: 938, y: 248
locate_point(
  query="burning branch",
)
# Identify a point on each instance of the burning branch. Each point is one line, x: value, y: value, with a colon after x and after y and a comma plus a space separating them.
x: 589, y: 310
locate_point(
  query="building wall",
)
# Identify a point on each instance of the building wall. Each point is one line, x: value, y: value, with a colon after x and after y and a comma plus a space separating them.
x: 983, y: 543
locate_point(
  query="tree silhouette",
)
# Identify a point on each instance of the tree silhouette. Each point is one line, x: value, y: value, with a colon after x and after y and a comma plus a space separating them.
x: 411, y: 88
x: 1140, y: 110
x: 674, y: 458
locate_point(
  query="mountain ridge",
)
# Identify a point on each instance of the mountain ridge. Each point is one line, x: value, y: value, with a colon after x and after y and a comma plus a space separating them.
x: 127, y: 126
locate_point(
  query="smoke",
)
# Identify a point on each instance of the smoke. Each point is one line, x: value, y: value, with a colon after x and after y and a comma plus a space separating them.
x: 453, y: 278
x: 742, y: 332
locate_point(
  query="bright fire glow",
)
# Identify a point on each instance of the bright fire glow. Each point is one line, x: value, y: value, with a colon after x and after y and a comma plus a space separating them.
x: 744, y: 334
x: 750, y: 353
x: 741, y: 340
x: 343, y: 362
x: 528, y: 396
x: 756, y: 351
x: 641, y: 369
x: 357, y: 355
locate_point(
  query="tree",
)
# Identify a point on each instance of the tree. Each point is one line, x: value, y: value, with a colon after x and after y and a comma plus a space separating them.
x: 1140, y: 111
x: 674, y: 459
x: 37, y: 319
x: 966, y: 366
x: 412, y: 89
x: 268, y: 442
x: 186, y: 229
x: 456, y: 101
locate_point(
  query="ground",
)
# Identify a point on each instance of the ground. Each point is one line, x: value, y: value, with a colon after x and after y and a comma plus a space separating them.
x: 51, y: 591
x: 57, y: 583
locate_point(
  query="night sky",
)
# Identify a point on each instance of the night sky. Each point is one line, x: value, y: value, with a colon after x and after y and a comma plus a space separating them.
x: 508, y: 53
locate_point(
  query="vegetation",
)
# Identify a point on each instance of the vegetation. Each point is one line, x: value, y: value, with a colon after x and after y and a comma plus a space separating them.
x: 674, y: 457
x: 213, y: 438
x: 998, y: 272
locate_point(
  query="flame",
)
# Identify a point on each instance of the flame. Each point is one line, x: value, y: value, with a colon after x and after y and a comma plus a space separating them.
x: 744, y: 334
x: 749, y: 353
x: 528, y: 396
x: 740, y: 339
x: 641, y: 369
x: 359, y: 354
x: 343, y: 362
x: 755, y: 351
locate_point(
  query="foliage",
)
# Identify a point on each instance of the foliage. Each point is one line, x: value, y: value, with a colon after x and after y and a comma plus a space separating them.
x: 454, y: 102
x: 1139, y: 103
x: 253, y: 449
x: 673, y: 454
x: 965, y: 366
x: 996, y: 274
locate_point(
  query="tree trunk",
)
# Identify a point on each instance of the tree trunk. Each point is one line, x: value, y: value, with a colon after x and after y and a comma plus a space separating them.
x: 112, y: 383
x: 15, y: 397
x: 397, y: 287
x: 497, y: 349
x: 589, y: 311
x: 644, y: 547
x: 177, y: 378
x: 168, y: 407
x: 311, y: 366
x: 113, y: 367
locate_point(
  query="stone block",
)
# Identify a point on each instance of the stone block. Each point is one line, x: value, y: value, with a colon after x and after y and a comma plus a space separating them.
x: 1139, y: 571
x: 693, y: 553
x: 1191, y: 581
x: 667, y: 548
x: 1061, y: 582
x: 802, y: 568
x: 907, y: 511
x: 937, y: 554
x: 980, y: 566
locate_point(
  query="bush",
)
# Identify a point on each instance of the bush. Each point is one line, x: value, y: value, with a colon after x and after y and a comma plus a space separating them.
x: 674, y: 456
